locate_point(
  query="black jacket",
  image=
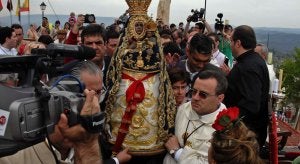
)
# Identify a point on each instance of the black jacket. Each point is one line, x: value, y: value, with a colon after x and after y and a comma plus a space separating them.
x: 248, y: 87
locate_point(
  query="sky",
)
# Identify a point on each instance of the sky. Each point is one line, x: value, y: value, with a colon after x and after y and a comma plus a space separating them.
x: 256, y: 13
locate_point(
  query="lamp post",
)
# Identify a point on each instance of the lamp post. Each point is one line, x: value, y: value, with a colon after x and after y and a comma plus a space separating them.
x: 43, y: 8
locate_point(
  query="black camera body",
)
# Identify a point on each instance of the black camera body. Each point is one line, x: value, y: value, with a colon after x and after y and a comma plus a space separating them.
x: 89, y: 18
x: 219, y: 25
x: 29, y: 112
x: 197, y: 15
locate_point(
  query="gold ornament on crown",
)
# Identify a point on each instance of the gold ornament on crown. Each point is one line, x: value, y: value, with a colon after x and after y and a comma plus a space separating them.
x: 138, y: 7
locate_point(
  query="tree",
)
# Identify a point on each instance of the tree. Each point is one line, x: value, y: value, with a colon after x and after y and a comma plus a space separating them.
x: 291, y: 81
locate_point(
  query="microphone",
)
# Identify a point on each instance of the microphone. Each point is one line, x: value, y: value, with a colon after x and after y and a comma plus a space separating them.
x: 66, y: 50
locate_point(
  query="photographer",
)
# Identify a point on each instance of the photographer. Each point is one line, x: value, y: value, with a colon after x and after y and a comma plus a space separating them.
x: 86, y: 147
x: 200, y: 22
x: 224, y: 33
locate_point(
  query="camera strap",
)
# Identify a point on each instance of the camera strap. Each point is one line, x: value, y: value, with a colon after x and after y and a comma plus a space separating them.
x: 93, y: 123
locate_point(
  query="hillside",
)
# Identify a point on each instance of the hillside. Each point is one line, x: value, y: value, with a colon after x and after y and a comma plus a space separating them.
x: 282, y: 41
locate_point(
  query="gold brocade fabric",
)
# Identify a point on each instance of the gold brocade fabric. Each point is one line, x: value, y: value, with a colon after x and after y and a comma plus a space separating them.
x: 143, y: 131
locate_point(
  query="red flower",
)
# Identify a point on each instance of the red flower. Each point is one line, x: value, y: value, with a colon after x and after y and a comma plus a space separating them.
x: 225, y: 118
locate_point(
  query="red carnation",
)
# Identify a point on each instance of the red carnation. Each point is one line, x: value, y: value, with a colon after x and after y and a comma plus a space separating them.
x: 225, y: 118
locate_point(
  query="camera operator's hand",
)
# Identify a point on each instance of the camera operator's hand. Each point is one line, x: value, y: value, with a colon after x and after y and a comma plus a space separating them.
x: 207, y: 26
x: 79, y: 23
x: 188, y: 19
x: 225, y: 68
x: 91, y: 105
x: 77, y: 132
x: 85, y: 144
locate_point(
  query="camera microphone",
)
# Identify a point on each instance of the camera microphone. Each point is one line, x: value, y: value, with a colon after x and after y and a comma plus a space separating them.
x: 65, y: 50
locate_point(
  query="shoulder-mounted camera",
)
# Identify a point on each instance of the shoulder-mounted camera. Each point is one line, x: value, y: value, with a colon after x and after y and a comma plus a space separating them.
x: 197, y: 15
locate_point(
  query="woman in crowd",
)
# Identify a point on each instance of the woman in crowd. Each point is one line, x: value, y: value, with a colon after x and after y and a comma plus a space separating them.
x: 233, y: 142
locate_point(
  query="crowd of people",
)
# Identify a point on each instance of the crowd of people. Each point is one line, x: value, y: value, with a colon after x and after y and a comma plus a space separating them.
x: 162, y: 89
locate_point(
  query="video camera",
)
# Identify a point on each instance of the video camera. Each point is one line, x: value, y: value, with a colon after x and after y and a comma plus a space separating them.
x: 197, y: 15
x: 89, y: 18
x: 28, y: 113
x: 219, y: 23
x: 123, y: 18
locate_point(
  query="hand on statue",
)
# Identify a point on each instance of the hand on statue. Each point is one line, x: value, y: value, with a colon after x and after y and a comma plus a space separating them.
x: 123, y: 156
x: 172, y: 143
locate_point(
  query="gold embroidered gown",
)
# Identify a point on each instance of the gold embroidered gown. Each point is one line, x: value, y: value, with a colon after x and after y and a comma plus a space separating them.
x: 140, y: 103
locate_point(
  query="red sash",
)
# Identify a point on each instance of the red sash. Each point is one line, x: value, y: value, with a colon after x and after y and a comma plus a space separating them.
x: 134, y: 95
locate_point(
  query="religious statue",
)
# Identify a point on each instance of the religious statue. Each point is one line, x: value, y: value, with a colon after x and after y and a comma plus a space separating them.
x: 140, y: 107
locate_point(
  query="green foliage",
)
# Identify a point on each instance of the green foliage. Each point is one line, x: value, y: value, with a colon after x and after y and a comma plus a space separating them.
x: 291, y: 77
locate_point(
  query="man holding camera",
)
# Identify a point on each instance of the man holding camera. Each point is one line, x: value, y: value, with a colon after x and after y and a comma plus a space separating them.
x: 200, y: 22
x: 85, y: 144
x: 64, y: 138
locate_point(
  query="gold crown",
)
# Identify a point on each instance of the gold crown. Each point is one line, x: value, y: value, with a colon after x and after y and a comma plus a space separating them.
x: 138, y: 7
x: 151, y: 26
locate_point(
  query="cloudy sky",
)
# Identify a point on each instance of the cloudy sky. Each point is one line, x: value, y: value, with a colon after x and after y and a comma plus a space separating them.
x: 257, y: 13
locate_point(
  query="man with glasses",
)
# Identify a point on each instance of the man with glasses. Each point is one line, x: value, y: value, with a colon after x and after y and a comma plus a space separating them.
x: 199, y: 53
x: 194, y: 119
x: 71, y: 144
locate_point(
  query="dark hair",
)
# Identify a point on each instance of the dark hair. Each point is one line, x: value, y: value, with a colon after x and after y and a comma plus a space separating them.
x: 165, y: 32
x: 171, y: 47
x: 222, y: 83
x: 201, y: 26
x: 179, y: 33
x: 177, y: 74
x: 200, y: 43
x: 67, y: 23
x: 237, y: 145
x: 227, y: 27
x: 93, y: 30
x: 246, y: 35
x: 172, y: 25
x: 16, y: 26
x: 214, y: 35
x: 57, y: 22
x: 112, y: 34
x: 45, y: 39
x: 5, y: 32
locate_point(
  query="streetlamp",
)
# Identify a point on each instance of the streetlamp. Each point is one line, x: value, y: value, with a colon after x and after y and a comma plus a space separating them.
x: 43, y: 8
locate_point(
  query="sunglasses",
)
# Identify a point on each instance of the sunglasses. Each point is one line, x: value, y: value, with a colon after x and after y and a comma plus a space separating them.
x: 201, y: 94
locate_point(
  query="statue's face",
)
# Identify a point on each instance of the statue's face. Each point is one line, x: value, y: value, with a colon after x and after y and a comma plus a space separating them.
x: 139, y: 27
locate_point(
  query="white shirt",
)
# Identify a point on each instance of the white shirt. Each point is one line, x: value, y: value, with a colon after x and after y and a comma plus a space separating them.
x: 272, y: 77
x: 197, y: 151
x: 219, y: 57
x: 6, y: 51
